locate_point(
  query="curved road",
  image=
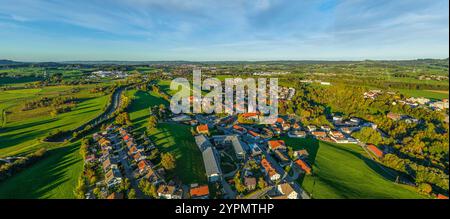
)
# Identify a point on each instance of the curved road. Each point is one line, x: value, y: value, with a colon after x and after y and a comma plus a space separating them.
x: 95, y: 121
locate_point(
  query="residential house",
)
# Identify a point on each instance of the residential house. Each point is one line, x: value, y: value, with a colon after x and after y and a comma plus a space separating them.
x: 303, y: 166
x: 250, y: 183
x: 338, y: 137
x: 297, y: 134
x: 311, y: 128
x: 269, y: 170
x: 113, y: 177
x: 239, y: 130
x: 199, y: 192
x: 301, y: 153
x: 276, y: 145
x: 169, y: 192
x: 203, y: 129
x: 287, y: 191
x: 394, y: 116
x: 325, y: 128
x: 281, y: 156
x: 109, y: 163
x: 319, y: 134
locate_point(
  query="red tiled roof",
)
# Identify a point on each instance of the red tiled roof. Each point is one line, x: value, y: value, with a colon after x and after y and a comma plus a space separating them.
x: 440, y: 196
x: 252, y: 133
x: 249, y: 114
x: 142, y: 164
x: 199, y: 191
x: 319, y: 133
x: 202, y: 128
x: 270, y: 170
x: 303, y: 166
x: 238, y: 127
x: 375, y: 150
x: 126, y: 137
x: 280, y: 120
x: 274, y: 144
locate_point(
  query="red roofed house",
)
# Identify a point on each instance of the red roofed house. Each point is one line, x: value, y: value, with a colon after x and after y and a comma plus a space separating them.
x: 251, y: 116
x: 126, y: 137
x: 319, y: 134
x: 304, y: 166
x: 200, y: 192
x: 273, y: 174
x: 239, y: 129
x: 377, y: 152
x: 440, y: 196
x: 253, y: 135
x: 142, y: 165
x: 280, y: 121
x: 203, y: 129
x: 276, y: 145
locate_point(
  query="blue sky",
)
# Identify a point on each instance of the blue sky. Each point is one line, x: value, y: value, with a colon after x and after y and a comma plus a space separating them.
x: 61, y: 30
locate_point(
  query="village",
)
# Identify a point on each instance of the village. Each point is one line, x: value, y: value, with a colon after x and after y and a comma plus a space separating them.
x: 242, y: 159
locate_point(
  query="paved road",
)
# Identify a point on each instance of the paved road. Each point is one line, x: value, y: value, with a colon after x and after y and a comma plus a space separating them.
x: 113, y: 106
x: 230, y: 194
x: 259, y: 193
x: 123, y: 157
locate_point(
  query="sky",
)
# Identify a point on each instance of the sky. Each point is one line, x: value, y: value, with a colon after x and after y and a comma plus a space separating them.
x: 221, y: 30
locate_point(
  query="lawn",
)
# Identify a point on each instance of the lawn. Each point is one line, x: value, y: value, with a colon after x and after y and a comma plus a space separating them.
x: 139, y: 108
x: 55, y: 176
x: 22, y: 130
x: 178, y: 140
x: 342, y: 171
x: 169, y: 137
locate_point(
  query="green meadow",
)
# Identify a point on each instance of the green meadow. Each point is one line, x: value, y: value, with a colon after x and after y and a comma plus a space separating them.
x: 169, y: 137
x: 22, y: 132
x: 431, y: 94
x: 342, y: 171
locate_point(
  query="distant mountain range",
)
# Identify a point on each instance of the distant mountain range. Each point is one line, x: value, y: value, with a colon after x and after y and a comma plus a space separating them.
x: 443, y: 62
x: 8, y: 62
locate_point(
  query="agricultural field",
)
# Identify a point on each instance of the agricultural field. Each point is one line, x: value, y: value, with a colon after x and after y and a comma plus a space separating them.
x: 139, y: 108
x: 23, y: 131
x: 53, y: 177
x: 345, y: 171
x: 431, y: 94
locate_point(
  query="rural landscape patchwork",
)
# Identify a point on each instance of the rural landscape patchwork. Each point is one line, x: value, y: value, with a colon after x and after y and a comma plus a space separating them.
x: 353, y: 123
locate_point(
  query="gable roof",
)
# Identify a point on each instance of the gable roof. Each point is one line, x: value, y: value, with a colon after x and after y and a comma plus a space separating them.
x: 374, y: 149
x: 274, y: 144
x: 199, y: 191
x: 142, y: 164
x: 268, y: 167
x: 202, y: 128
x: 211, y: 161
x: 304, y: 166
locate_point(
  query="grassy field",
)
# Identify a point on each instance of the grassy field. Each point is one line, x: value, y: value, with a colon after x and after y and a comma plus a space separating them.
x: 173, y: 138
x: 55, y: 176
x: 23, y: 129
x: 139, y: 108
x: 425, y: 93
x: 178, y: 140
x: 344, y: 171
